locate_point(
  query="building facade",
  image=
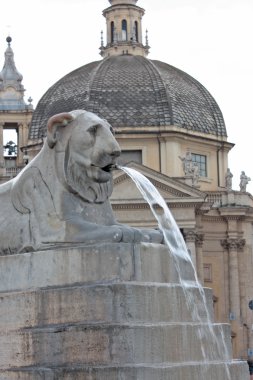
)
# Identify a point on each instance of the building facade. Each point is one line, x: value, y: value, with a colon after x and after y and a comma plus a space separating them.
x: 170, y: 129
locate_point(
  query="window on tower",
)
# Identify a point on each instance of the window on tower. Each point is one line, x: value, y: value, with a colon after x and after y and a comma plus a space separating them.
x: 124, y: 30
x: 112, y: 32
x: 136, y: 31
x: 10, y: 139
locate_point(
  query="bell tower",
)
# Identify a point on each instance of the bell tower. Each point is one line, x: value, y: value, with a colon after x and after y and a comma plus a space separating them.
x: 15, y: 118
x: 124, y: 29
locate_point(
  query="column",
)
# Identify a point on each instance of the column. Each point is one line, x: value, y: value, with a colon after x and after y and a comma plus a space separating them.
x: 233, y: 245
x: 1, y: 149
x: 163, y: 155
x: 20, y: 143
x: 190, y: 238
x: 199, y: 257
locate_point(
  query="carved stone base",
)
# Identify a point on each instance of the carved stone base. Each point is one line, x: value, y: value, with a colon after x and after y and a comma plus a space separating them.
x: 106, y: 312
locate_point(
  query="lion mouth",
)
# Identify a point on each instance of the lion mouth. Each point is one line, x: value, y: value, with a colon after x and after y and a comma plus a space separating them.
x: 102, y: 173
x: 109, y: 168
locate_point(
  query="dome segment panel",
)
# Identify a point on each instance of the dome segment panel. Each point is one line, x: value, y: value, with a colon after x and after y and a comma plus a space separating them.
x: 69, y: 93
x: 125, y: 90
x: 193, y: 107
x: 128, y: 90
x: 132, y: 91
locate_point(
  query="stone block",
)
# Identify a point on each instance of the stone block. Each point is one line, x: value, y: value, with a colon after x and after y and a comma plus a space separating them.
x: 119, y: 344
x: 108, y: 312
x: 114, y: 303
x: 95, y: 263
x: 194, y: 371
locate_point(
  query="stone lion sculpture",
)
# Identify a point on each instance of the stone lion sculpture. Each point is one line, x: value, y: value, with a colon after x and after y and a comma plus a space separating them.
x: 62, y: 195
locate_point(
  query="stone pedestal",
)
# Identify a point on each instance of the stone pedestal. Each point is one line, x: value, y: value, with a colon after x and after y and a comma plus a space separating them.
x: 107, y: 312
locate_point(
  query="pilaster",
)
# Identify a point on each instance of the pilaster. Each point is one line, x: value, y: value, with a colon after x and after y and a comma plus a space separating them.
x: 1, y: 149
x: 233, y: 246
x: 199, y: 257
x: 190, y: 238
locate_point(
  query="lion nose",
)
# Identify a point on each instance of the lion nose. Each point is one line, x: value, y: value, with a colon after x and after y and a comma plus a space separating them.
x: 115, y: 153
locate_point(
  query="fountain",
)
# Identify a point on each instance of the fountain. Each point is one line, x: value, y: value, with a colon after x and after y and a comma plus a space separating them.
x: 83, y: 297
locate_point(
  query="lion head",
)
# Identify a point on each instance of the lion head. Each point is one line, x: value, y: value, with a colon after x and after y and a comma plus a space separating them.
x: 90, y: 152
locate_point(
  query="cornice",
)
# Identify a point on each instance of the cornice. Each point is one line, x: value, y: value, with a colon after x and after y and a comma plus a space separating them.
x: 157, y: 184
x: 181, y: 190
x: 213, y: 218
x: 142, y: 205
x: 176, y: 130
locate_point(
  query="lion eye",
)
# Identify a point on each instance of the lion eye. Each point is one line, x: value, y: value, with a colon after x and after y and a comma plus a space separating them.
x: 93, y: 129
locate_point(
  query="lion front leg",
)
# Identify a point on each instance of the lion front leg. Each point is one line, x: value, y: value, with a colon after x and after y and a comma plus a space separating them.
x: 138, y: 235
x: 99, y: 233
x: 78, y: 230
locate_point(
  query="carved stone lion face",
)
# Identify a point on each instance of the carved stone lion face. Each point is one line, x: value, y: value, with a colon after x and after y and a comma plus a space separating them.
x: 91, y: 154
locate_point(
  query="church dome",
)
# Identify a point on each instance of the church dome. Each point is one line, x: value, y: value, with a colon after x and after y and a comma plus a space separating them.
x: 132, y: 91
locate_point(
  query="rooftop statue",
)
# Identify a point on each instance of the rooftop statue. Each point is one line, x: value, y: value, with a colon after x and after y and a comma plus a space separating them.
x: 62, y: 195
x: 244, y: 180
x: 228, y: 179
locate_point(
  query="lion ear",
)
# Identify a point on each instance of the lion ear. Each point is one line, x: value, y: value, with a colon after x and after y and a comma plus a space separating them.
x: 54, y: 123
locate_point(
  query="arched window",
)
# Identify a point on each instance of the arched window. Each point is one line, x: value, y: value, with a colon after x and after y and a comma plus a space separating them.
x: 112, y: 32
x: 136, y: 31
x: 124, y: 30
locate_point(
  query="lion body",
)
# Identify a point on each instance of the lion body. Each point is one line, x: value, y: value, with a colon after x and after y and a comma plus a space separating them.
x: 62, y: 195
x: 44, y: 205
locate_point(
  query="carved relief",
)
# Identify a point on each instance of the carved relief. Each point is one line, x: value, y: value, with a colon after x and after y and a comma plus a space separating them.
x: 190, y: 168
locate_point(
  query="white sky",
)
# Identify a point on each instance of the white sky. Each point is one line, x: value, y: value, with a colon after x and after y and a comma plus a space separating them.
x: 209, y: 39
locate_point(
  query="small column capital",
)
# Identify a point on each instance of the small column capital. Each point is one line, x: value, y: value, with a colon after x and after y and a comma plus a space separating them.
x: 233, y: 244
x: 199, y: 239
x: 190, y: 235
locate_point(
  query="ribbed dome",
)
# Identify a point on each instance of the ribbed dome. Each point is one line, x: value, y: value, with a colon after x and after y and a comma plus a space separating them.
x: 132, y: 91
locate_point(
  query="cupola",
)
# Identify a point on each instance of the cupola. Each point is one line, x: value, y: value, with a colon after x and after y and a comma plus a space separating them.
x: 11, y: 87
x: 124, y: 29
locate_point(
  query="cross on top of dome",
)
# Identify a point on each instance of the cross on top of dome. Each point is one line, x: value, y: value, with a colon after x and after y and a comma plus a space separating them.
x: 115, y: 2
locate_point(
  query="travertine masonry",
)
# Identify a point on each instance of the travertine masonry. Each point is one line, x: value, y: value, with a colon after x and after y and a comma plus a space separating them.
x: 106, y: 312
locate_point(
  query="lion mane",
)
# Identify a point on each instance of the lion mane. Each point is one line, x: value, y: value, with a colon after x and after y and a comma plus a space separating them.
x: 53, y: 197
x: 62, y: 196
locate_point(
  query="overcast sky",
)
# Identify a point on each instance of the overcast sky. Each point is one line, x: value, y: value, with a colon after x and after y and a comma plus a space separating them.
x: 209, y: 39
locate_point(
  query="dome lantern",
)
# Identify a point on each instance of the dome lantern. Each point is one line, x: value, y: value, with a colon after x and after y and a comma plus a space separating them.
x: 124, y: 29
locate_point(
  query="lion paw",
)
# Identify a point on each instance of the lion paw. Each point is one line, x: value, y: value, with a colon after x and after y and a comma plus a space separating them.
x: 136, y: 235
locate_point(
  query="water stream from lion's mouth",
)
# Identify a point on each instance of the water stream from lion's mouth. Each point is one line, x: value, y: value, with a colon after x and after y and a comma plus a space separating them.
x: 176, y: 244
